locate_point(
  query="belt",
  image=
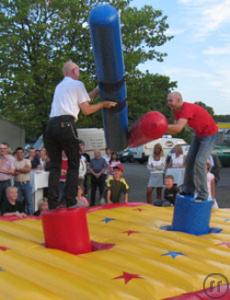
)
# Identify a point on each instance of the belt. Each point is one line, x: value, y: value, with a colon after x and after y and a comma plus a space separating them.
x: 22, y: 182
x: 3, y: 181
x: 63, y: 118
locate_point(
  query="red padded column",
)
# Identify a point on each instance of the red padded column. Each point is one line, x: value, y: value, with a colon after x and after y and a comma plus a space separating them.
x: 67, y: 230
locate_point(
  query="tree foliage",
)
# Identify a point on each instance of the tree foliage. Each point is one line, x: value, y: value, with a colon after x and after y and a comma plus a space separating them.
x: 208, y: 108
x: 36, y: 37
x: 222, y: 118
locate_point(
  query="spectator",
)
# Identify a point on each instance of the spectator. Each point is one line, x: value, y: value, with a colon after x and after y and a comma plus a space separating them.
x: 211, y: 185
x: 62, y: 180
x: 117, y: 185
x: 11, y: 206
x: 87, y: 160
x: 6, y: 169
x: 43, y: 160
x: 81, y: 200
x: 107, y: 155
x: 215, y: 166
x: 22, y: 179
x: 82, y: 170
x: 42, y: 207
x: 114, y: 161
x: 97, y: 169
x: 176, y: 165
x: 170, y: 192
x: 177, y: 158
x: 156, y: 166
x: 34, y: 158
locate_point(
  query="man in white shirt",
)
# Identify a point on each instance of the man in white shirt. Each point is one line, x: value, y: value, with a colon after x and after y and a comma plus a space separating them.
x: 6, y: 169
x: 61, y: 134
x: 23, y: 169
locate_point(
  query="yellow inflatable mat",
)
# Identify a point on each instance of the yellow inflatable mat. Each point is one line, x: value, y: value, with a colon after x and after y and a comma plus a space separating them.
x: 133, y: 259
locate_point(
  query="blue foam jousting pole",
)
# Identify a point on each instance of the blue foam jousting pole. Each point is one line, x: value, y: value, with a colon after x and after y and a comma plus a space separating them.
x: 107, y: 48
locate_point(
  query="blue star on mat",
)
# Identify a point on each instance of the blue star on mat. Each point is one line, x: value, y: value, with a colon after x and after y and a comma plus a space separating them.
x: 173, y: 254
x: 227, y: 220
x: 107, y: 220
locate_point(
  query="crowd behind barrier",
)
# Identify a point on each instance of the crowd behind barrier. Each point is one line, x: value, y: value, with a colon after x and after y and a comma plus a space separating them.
x: 24, y: 179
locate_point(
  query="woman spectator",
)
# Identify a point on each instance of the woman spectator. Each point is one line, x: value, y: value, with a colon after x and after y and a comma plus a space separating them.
x: 176, y: 165
x: 177, y: 158
x: 156, y: 166
x: 114, y: 161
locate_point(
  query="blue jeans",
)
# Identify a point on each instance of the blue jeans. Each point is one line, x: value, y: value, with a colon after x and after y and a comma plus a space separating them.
x: 25, y: 194
x: 195, y: 178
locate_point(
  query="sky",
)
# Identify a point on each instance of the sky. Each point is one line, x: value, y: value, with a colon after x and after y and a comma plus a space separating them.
x: 199, y: 54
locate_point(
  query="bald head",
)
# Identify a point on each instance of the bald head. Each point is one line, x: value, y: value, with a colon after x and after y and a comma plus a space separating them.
x: 174, y: 100
x: 175, y: 95
x: 71, y: 69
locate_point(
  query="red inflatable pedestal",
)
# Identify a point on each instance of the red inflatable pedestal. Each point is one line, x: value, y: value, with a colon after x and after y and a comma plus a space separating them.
x: 150, y: 126
x: 67, y: 230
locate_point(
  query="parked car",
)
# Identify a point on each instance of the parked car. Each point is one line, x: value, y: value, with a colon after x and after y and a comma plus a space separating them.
x: 223, y: 153
x: 126, y: 155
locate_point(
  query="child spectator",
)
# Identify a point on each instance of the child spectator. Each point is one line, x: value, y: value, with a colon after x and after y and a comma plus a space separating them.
x: 114, y: 161
x: 42, y: 207
x: 12, y: 207
x: 81, y: 200
x: 117, y: 185
x: 170, y: 192
x: 211, y: 185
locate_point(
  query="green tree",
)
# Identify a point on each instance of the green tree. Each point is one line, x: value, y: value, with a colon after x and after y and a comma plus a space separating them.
x: 222, y: 118
x: 208, y: 108
x: 36, y: 37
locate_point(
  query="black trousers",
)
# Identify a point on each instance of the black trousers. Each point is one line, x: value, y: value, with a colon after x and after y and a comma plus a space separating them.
x: 97, y: 183
x: 61, y: 135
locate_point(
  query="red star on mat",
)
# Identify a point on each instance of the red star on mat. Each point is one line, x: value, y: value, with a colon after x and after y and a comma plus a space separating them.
x: 3, y: 248
x: 128, y: 276
x: 226, y: 244
x: 129, y: 232
x: 139, y: 209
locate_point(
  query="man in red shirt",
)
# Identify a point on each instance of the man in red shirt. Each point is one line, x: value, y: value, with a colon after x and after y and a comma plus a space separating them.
x: 202, y: 144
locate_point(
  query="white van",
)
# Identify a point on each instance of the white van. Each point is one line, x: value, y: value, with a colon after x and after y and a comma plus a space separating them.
x: 93, y: 138
x: 142, y: 153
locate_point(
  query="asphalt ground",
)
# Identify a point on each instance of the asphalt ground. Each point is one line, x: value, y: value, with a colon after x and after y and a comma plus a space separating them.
x: 137, y: 177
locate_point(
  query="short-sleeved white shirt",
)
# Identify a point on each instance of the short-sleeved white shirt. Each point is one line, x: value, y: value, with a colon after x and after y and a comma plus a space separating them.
x: 69, y: 93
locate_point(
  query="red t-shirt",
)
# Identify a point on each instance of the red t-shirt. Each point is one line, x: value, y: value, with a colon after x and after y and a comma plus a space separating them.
x: 198, y: 119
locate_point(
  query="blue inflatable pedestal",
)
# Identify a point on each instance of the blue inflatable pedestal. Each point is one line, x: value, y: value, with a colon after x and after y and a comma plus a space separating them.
x: 192, y: 216
x: 107, y: 49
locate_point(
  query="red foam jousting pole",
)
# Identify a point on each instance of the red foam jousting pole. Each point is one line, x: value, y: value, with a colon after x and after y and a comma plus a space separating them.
x: 150, y: 126
x: 67, y: 230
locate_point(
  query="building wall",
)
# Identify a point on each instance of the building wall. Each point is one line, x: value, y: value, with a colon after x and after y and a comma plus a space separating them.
x: 11, y: 134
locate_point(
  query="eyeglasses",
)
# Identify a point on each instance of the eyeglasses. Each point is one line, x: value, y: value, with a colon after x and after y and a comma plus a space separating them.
x: 3, y: 148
